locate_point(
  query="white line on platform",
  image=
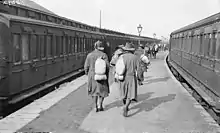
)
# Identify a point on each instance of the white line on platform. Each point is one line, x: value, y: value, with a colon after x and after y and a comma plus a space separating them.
x: 22, y: 117
x: 203, y: 112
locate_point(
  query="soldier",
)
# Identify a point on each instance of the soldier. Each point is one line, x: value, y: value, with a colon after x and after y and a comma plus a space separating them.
x: 147, y: 50
x: 117, y: 53
x: 155, y: 49
x: 97, y: 89
x: 128, y: 86
x: 140, y: 51
x: 151, y: 50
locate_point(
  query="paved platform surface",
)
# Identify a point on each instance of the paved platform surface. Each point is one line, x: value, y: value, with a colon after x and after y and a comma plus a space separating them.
x: 163, y: 106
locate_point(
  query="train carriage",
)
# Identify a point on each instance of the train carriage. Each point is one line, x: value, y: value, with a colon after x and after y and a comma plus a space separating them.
x: 34, y: 52
x: 195, y: 53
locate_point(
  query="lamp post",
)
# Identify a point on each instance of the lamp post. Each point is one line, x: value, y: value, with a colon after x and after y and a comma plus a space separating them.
x: 154, y: 37
x: 139, y: 28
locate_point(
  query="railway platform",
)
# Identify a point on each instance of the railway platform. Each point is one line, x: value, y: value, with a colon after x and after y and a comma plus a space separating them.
x: 164, y: 106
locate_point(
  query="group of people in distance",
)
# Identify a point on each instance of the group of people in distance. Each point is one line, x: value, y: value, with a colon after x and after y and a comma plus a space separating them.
x: 128, y: 65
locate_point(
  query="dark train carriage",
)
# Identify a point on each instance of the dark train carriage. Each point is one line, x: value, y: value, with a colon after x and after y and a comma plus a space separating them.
x: 4, y: 57
x: 195, y: 52
x: 34, y: 52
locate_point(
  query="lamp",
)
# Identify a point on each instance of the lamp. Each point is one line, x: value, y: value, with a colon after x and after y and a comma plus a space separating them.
x: 139, y: 28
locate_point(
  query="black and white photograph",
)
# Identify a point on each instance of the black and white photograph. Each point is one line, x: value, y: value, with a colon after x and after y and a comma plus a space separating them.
x: 110, y: 66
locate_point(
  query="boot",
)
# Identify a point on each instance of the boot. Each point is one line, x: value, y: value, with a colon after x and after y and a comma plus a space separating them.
x: 140, y: 83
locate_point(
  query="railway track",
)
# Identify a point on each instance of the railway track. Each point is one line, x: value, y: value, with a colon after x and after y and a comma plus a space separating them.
x: 38, y: 92
x: 215, y: 115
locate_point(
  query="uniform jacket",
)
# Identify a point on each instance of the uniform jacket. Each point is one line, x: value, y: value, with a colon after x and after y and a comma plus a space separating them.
x: 128, y: 86
x: 96, y: 88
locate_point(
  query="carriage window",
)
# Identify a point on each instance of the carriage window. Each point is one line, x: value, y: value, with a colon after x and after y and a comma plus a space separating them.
x: 180, y: 42
x: 87, y: 44
x: 84, y: 41
x: 177, y: 43
x: 193, y: 44
x: 42, y: 46
x: 90, y: 45
x: 63, y: 45
x: 37, y: 15
x: 76, y: 45
x: 72, y: 45
x: 84, y: 44
x: 43, y: 17
x: 17, y: 48
x: 218, y: 46
x: 67, y: 45
x: 197, y: 45
x: 21, y: 12
x: 80, y: 44
x: 59, y: 46
x: 25, y: 47
x: 184, y: 44
x: 201, y: 43
x: 213, y: 45
x: 58, y: 21
x: 206, y: 44
x: 54, y: 45
x: 173, y: 43
x: 49, y: 46
x: 34, y: 47
x: 189, y: 42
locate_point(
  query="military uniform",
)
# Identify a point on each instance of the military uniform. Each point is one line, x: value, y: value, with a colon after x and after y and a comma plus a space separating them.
x: 115, y: 57
x: 128, y: 86
x: 142, y: 65
x: 96, y: 88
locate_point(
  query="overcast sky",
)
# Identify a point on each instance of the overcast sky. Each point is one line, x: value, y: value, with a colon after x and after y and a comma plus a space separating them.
x: 156, y: 16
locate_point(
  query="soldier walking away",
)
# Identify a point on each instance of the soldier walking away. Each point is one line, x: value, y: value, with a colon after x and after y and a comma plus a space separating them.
x: 151, y: 50
x: 118, y: 51
x: 155, y: 50
x: 98, y: 88
x: 147, y: 50
x: 128, y: 86
x: 143, y: 67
